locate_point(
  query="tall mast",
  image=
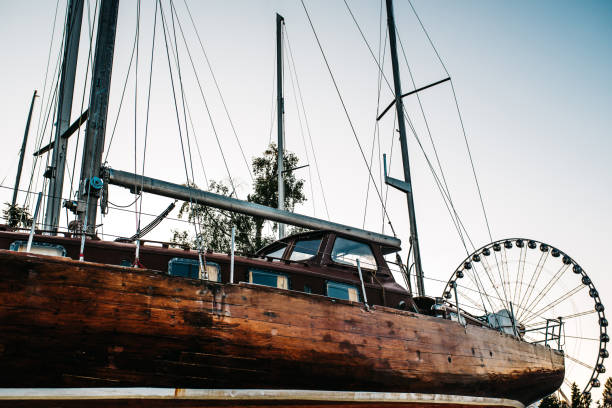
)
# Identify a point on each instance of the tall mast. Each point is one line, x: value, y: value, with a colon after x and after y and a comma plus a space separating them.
x: 399, y: 106
x: 22, y: 152
x: 90, y: 184
x: 64, y: 109
x: 280, y: 117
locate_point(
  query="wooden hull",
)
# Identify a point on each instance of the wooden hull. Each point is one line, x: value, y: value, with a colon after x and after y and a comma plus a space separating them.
x: 65, y: 323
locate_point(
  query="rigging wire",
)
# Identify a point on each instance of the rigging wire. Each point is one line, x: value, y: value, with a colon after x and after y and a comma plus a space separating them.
x: 146, y: 135
x: 467, y: 145
x: 433, y: 145
x: 314, y: 155
x: 231, y: 122
x: 299, y: 116
x: 37, y: 143
x: 444, y: 193
x: 178, y: 118
x: 376, y: 126
x: 177, y: 61
x: 182, y: 89
x: 234, y: 191
x: 51, y: 103
x: 273, y: 105
x: 87, y: 71
x: 346, y: 113
x: 125, y: 83
x: 137, y: 46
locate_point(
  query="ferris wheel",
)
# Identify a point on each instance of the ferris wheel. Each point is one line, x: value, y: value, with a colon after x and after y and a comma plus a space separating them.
x: 540, y: 294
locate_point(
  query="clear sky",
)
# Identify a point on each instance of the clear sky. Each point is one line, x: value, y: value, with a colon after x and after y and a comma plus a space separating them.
x: 532, y: 80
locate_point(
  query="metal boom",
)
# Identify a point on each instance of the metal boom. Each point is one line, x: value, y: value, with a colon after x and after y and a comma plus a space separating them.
x: 180, y: 192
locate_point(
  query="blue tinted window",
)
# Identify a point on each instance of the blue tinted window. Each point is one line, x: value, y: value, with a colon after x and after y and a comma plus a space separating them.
x: 190, y: 268
x: 186, y: 268
x: 268, y: 278
x: 342, y: 291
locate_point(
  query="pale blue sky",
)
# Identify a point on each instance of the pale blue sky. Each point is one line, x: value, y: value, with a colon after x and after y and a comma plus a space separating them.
x: 532, y: 79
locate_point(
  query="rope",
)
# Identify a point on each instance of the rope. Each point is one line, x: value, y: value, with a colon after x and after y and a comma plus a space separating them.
x: 346, y: 112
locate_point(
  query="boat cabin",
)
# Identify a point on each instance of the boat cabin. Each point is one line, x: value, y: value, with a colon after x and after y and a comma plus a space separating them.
x: 317, y: 262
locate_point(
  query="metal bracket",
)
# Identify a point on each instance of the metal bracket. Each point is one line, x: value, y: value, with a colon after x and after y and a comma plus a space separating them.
x: 393, y: 182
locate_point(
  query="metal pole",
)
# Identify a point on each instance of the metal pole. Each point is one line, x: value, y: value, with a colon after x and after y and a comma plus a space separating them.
x: 457, y: 304
x: 89, y: 191
x: 64, y: 109
x: 280, y: 117
x: 232, y: 255
x: 22, y: 151
x: 365, y: 297
x: 513, y: 321
x: 180, y: 192
x: 559, y: 338
x: 31, y: 237
x: 399, y: 105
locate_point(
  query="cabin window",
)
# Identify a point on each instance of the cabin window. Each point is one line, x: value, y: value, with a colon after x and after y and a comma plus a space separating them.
x: 347, y: 252
x: 342, y: 291
x: 40, y: 248
x: 267, y: 278
x: 305, y: 249
x: 190, y: 268
x: 276, y: 253
x: 307, y: 289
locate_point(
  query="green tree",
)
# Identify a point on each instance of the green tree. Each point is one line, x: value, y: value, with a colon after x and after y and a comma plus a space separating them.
x: 586, y: 400
x: 214, y: 226
x: 607, y: 394
x: 575, y: 397
x: 265, y: 190
x: 550, y: 402
x: 17, y: 216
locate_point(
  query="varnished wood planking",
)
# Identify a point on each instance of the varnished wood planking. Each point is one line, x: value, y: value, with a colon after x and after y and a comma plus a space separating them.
x: 120, y: 316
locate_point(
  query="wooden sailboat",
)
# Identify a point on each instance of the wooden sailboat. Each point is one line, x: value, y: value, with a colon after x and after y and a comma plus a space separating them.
x: 313, y: 319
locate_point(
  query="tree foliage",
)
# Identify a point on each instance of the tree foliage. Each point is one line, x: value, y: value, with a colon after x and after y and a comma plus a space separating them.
x: 607, y: 394
x: 577, y: 399
x: 213, y: 227
x: 17, y: 216
x: 550, y: 402
x: 265, y: 190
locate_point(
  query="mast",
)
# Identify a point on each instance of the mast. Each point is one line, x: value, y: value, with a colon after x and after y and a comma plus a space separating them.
x: 399, y: 106
x: 90, y: 184
x: 22, y: 152
x: 64, y: 109
x: 280, y: 118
